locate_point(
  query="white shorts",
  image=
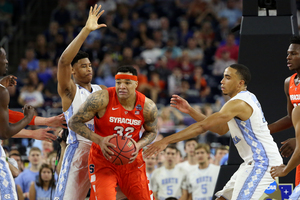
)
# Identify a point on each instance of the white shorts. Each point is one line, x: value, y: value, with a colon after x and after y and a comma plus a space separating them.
x: 248, y: 183
x: 296, y: 193
x: 7, y: 183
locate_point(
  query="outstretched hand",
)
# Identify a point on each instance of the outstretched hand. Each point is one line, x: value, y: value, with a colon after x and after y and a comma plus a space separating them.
x: 278, y: 171
x: 180, y: 103
x: 94, y: 14
x: 155, y: 148
x: 42, y: 134
x: 57, y: 121
x: 8, y: 81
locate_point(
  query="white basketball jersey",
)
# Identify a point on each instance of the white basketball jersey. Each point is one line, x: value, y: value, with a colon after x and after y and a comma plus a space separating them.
x: 2, y: 152
x: 187, y: 166
x: 168, y: 183
x: 252, y: 137
x: 201, y: 182
x: 80, y: 97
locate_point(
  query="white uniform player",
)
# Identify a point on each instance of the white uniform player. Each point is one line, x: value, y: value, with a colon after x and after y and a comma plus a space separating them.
x: 74, y: 171
x: 7, y: 183
x: 258, y: 150
x: 168, y: 182
x: 201, y: 182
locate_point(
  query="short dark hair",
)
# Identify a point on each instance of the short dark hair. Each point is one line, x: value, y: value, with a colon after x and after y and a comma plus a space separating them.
x: 80, y: 55
x: 243, y: 71
x: 172, y: 146
x: 127, y: 68
x: 191, y: 139
x: 295, y: 39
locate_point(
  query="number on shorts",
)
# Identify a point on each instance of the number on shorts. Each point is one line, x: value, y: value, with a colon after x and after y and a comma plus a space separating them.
x: 120, y: 131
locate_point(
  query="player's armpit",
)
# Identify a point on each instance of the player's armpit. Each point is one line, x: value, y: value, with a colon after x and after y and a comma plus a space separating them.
x: 150, y: 124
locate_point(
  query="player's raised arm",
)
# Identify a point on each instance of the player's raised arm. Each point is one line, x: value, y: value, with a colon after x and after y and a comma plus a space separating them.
x: 65, y: 83
x: 87, y: 111
x: 235, y: 108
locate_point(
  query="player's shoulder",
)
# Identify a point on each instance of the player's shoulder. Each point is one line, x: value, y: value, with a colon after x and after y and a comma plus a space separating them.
x: 150, y: 109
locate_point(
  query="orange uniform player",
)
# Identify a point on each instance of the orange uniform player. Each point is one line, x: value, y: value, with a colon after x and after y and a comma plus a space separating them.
x: 15, y: 116
x: 119, y: 110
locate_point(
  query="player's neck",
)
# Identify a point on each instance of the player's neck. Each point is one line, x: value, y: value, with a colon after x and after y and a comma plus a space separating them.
x: 238, y: 91
x: 203, y: 165
x: 129, y: 103
x: 192, y: 160
x: 87, y: 86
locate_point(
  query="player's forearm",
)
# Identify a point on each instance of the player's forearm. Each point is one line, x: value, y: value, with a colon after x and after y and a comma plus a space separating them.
x: 146, y: 139
x: 190, y: 132
x: 24, y: 133
x: 41, y: 121
x: 73, y: 48
x: 281, y: 124
x: 13, y: 129
x: 293, y: 162
x: 62, y: 153
x: 81, y: 129
x: 196, y: 115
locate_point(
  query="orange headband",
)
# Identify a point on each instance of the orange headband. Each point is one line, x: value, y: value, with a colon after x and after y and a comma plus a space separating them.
x: 126, y: 76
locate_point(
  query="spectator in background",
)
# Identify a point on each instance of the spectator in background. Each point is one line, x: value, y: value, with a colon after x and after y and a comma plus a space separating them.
x: 22, y: 72
x: 61, y: 14
x: 187, y: 92
x: 108, y: 6
x: 44, y: 73
x: 183, y: 33
x: 52, y: 98
x: 220, y: 153
x: 47, y: 147
x: 151, y: 54
x: 32, y: 62
x: 150, y: 166
x: 78, y: 16
x: 232, y: 13
x: 31, y: 95
x: 157, y: 38
x: 135, y: 20
x: 176, y: 51
x: 41, y: 48
x: 153, y: 21
x: 44, y: 188
x: 6, y: 14
x: 165, y: 29
x: 157, y: 87
x: 199, y: 83
x: 52, y: 31
x: 30, y: 174
x: 174, y: 81
x: 105, y: 71
x: 186, y: 66
x: 229, y: 46
x: 162, y: 68
x: 191, y: 162
x: 18, y: 159
x: 195, y: 53
x: 220, y: 64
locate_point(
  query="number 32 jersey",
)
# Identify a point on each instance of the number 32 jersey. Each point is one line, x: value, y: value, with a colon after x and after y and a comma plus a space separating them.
x: 117, y: 120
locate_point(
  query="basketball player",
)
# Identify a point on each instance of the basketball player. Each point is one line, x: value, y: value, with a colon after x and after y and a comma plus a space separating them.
x: 292, y: 92
x: 73, y: 180
x: 201, y: 182
x: 168, y: 180
x: 118, y: 110
x: 7, y: 186
x: 282, y: 170
x: 243, y: 116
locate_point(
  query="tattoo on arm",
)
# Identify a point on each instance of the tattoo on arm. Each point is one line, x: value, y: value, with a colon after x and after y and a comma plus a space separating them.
x: 86, y: 112
x: 150, y: 125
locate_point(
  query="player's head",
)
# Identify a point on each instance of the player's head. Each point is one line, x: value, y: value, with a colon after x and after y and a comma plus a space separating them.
x: 202, y: 153
x: 46, y: 175
x: 221, y: 152
x: 82, y: 68
x: 189, y: 146
x: 171, y: 155
x: 126, y: 81
x: 236, y: 78
x: 293, y: 53
x: 34, y: 156
x: 3, y: 62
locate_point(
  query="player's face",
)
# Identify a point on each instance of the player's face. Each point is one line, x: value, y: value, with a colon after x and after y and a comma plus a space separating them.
x: 190, y: 147
x: 151, y: 161
x: 3, y: 62
x: 46, y: 174
x: 170, y: 155
x: 83, y: 71
x: 125, y: 87
x: 293, y: 57
x: 231, y: 82
x: 202, y: 155
x: 34, y: 157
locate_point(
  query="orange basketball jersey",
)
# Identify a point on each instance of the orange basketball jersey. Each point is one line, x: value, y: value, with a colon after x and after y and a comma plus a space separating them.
x: 117, y: 120
x: 294, y: 91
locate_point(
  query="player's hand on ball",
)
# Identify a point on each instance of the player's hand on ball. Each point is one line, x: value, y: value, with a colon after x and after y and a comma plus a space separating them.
x: 278, y: 171
x: 288, y: 147
x: 155, y: 148
x: 104, y: 144
x: 92, y: 22
x: 135, y: 154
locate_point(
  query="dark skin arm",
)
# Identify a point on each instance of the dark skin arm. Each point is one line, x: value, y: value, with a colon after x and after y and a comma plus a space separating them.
x: 150, y: 126
x: 8, y: 130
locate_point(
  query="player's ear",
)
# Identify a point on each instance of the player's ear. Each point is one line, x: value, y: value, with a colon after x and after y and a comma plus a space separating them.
x: 136, y: 84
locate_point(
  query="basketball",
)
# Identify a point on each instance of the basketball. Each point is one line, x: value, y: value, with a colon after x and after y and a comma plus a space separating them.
x: 124, y: 148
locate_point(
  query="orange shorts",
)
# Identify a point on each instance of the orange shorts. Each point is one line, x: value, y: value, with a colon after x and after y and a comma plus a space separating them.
x: 105, y: 176
x: 297, y: 178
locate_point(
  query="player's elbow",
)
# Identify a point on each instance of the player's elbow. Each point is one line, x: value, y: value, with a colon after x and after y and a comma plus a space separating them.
x: 4, y: 134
